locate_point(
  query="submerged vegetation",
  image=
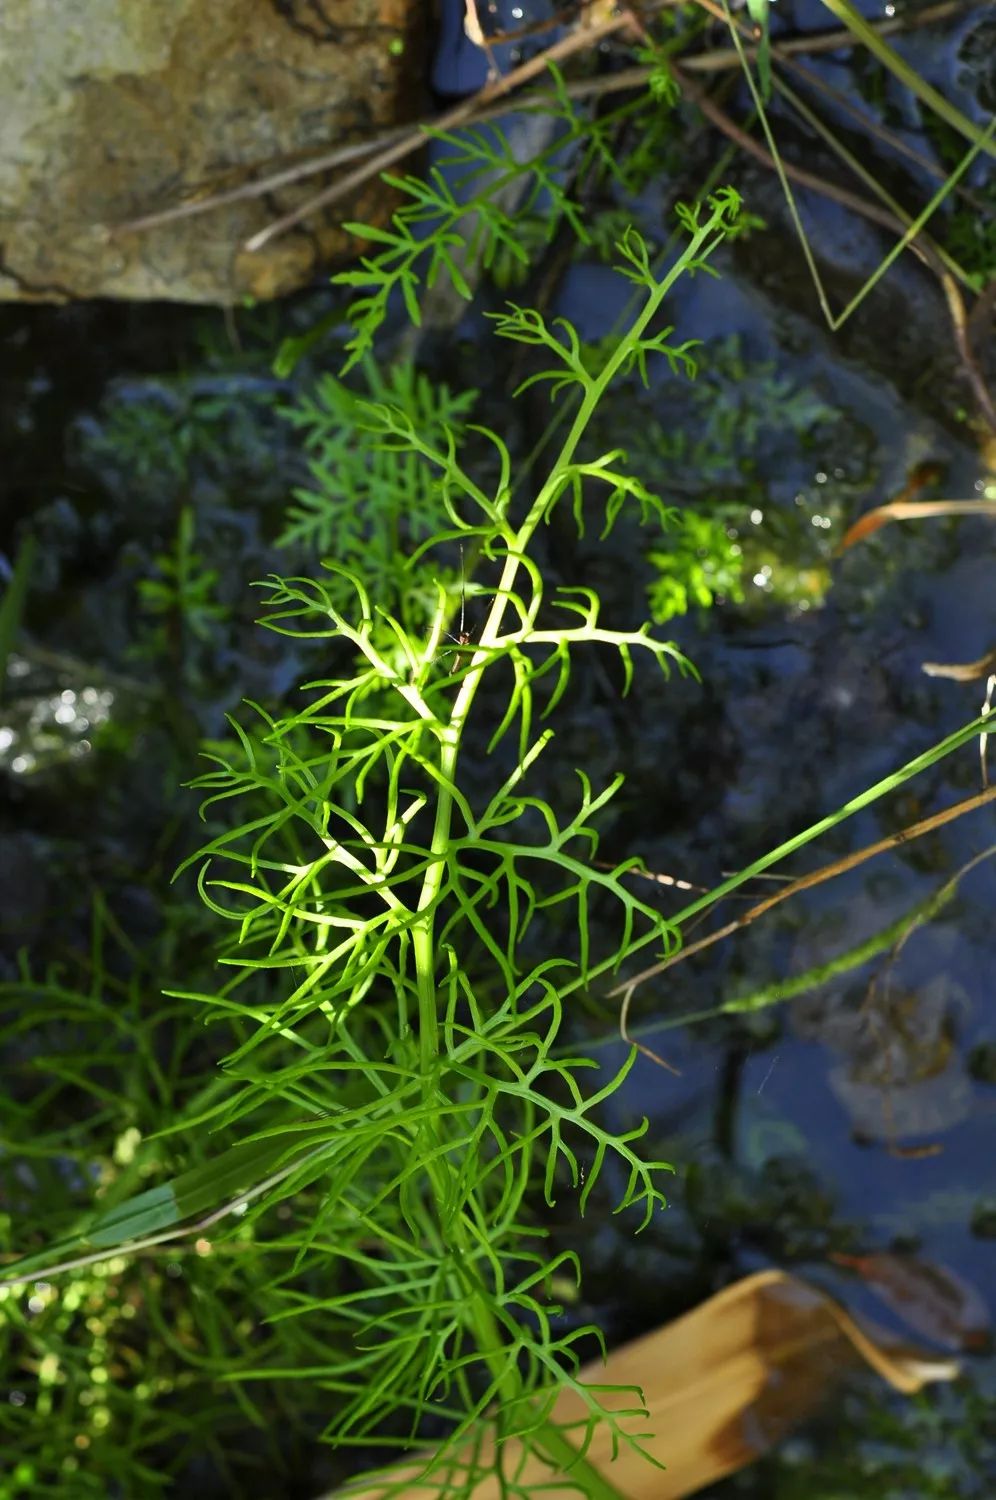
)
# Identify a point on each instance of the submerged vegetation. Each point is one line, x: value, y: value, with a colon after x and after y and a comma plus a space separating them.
x: 310, y: 1214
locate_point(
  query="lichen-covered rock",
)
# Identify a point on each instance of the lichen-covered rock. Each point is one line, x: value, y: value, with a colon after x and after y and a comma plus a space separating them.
x: 113, y: 109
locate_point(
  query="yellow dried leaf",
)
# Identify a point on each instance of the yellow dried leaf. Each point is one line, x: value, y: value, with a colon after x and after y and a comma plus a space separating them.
x: 721, y: 1385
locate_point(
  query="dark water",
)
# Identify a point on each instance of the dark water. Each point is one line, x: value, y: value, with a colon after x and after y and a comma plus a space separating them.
x: 858, y: 1117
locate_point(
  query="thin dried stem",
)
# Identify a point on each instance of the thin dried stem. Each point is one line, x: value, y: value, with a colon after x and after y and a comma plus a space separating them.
x: 921, y: 244
x: 910, y: 510
x: 715, y: 60
x: 627, y: 989
x: 654, y: 875
x: 460, y: 115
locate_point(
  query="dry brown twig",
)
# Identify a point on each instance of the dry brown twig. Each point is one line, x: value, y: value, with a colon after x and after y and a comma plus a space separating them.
x: 577, y: 41
x: 404, y: 139
x: 910, y: 510
x: 714, y: 60
x: 963, y: 671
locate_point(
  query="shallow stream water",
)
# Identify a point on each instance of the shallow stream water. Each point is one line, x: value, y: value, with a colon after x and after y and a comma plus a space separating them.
x: 857, y: 1117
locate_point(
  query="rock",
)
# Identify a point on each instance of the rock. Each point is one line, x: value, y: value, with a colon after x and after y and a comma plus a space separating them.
x: 113, y: 109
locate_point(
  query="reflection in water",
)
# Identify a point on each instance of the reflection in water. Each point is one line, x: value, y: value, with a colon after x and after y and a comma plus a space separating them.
x: 41, y: 727
x: 900, y: 1075
x: 929, y: 1297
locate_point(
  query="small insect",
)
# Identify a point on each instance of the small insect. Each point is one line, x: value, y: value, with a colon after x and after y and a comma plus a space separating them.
x: 463, y: 636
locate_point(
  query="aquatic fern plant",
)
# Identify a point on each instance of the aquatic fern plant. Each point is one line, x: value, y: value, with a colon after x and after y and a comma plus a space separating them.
x: 360, y: 493
x: 459, y: 214
x: 401, y: 1016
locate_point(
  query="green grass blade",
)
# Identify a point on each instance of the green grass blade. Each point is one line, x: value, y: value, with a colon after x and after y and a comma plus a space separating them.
x: 170, y: 1205
x: 876, y: 44
x: 889, y: 783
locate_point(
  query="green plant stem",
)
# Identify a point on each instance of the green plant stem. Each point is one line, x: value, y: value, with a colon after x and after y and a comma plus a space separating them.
x: 479, y: 1316
x: 888, y: 784
x: 590, y: 400
x: 842, y: 963
x: 548, y: 1437
x: 450, y: 733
